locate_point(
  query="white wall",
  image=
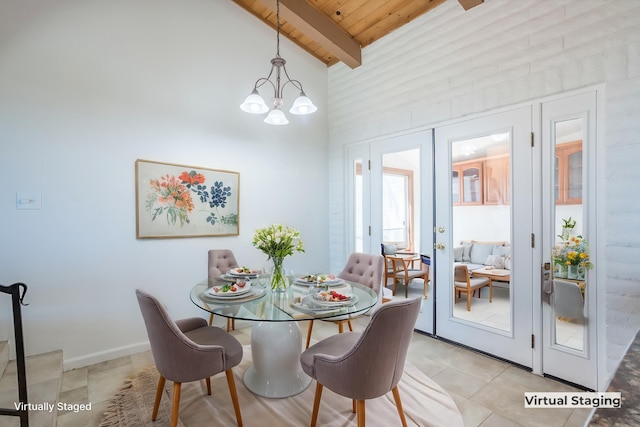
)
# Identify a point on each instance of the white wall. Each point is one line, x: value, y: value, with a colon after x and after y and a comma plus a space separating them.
x: 86, y: 88
x: 451, y: 63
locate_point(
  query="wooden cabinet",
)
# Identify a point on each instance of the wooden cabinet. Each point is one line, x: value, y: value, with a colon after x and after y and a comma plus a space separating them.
x: 467, y: 183
x: 568, y: 173
x: 497, y: 181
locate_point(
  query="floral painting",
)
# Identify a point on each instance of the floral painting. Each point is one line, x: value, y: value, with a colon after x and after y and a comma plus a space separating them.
x: 185, y: 201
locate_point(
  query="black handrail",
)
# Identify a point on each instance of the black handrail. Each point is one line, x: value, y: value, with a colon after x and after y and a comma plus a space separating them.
x: 21, y: 408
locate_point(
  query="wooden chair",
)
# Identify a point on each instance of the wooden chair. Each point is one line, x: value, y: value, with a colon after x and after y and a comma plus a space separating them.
x: 464, y: 283
x: 187, y: 350
x: 403, y: 270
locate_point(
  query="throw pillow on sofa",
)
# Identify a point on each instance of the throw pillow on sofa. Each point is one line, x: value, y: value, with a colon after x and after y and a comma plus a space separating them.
x: 457, y: 253
x: 480, y: 252
x: 495, y: 261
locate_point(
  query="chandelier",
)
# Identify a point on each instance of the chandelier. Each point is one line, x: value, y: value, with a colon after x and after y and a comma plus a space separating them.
x: 255, y: 104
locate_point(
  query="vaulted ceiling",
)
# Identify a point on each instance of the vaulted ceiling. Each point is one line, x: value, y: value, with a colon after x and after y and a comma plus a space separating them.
x: 337, y: 30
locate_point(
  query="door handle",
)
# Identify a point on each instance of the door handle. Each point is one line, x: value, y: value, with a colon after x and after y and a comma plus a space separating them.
x: 439, y: 246
x: 441, y: 229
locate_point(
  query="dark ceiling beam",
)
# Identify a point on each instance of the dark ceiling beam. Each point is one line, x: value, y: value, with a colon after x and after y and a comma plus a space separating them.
x: 468, y: 4
x: 318, y: 27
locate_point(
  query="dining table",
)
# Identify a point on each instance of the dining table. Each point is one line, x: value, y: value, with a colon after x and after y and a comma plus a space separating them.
x: 276, y: 340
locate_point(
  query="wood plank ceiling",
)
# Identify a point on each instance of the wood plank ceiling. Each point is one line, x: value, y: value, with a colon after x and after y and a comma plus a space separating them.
x: 337, y: 30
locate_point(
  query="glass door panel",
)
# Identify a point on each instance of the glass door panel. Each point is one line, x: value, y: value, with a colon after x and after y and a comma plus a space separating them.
x: 478, y: 239
x: 482, y: 231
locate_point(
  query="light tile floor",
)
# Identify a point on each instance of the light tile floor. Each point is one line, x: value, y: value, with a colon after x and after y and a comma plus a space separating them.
x: 488, y: 392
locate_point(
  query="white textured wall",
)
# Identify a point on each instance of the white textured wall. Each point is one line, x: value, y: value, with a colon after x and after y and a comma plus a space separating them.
x: 451, y: 63
x: 86, y: 88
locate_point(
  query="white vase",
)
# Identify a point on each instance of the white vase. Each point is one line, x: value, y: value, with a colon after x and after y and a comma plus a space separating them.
x: 572, y: 272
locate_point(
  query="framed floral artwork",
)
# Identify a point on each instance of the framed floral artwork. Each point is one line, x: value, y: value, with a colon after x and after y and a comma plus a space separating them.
x: 185, y: 201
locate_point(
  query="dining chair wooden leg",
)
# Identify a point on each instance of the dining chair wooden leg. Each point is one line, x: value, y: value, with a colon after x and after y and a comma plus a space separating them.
x: 309, y: 329
x: 340, y: 327
x: 316, y: 404
x: 360, y: 413
x: 159, y: 391
x: 353, y: 406
x: 175, y: 404
x: 396, y: 397
x: 211, y: 319
x: 208, y: 381
x: 350, y: 326
x: 231, y: 382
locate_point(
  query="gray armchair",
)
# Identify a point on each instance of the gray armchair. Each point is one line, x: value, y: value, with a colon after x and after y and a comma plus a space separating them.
x: 220, y: 261
x: 365, y: 269
x: 568, y: 300
x: 187, y: 350
x: 364, y: 365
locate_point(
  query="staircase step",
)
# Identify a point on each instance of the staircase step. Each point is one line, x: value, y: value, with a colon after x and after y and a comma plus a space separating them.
x: 44, y: 379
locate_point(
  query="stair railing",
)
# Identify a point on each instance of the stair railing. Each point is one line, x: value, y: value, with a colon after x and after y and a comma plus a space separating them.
x: 21, y: 408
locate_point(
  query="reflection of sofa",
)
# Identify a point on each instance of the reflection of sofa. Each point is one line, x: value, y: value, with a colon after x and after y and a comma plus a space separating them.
x: 478, y: 254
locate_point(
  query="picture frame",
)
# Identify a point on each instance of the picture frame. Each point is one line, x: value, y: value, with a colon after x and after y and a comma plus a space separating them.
x: 174, y: 201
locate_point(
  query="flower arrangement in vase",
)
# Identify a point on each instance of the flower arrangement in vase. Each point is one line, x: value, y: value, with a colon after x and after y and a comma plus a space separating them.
x: 571, y: 255
x: 278, y: 241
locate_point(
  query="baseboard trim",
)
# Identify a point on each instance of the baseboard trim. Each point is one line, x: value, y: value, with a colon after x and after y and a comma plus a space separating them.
x: 103, y: 356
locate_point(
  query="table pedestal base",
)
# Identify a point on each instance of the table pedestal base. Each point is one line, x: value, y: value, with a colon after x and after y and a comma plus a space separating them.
x: 276, y: 370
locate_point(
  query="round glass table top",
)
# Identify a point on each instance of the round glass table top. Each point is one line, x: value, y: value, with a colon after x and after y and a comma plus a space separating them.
x: 254, y: 302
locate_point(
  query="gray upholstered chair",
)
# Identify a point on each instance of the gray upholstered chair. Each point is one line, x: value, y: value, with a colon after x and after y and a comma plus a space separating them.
x: 364, y: 365
x: 463, y: 283
x: 187, y: 350
x: 365, y: 269
x: 568, y: 300
x: 220, y: 261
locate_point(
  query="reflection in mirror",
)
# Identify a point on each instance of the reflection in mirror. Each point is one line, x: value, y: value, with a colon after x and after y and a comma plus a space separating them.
x: 569, y: 273
x: 358, y: 220
x: 481, y: 229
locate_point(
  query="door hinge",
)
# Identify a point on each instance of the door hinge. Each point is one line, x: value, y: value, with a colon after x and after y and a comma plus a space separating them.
x: 369, y: 230
x: 533, y: 341
x: 532, y: 144
x: 533, y: 240
x: 369, y: 164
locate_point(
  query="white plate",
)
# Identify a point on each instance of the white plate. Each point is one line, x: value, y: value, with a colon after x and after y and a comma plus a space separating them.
x: 306, y: 282
x: 351, y: 301
x: 234, y: 273
x: 229, y: 294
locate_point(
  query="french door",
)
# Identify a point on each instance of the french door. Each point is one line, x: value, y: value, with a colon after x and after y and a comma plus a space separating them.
x: 486, y: 183
x: 568, y: 193
x: 391, y: 200
x: 484, y: 220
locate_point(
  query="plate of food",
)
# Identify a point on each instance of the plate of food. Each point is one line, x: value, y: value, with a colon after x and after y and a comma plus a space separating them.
x: 334, y: 298
x: 229, y: 290
x: 242, y: 272
x: 327, y: 279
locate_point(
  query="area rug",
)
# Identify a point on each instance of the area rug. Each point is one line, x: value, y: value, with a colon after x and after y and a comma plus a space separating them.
x: 425, y: 404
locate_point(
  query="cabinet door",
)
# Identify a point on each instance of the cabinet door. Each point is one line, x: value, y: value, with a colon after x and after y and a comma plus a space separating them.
x: 467, y: 183
x: 569, y: 173
x: 496, y: 180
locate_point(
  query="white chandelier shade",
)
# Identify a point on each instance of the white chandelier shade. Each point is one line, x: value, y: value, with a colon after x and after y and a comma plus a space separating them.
x: 255, y: 104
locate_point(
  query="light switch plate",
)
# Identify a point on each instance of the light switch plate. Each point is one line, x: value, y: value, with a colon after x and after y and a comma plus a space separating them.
x: 28, y: 200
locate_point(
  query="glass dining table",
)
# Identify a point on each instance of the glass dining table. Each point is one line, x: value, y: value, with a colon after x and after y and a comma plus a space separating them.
x: 276, y: 341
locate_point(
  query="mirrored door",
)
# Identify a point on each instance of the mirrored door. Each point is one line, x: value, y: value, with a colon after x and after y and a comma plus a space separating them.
x: 569, y: 289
